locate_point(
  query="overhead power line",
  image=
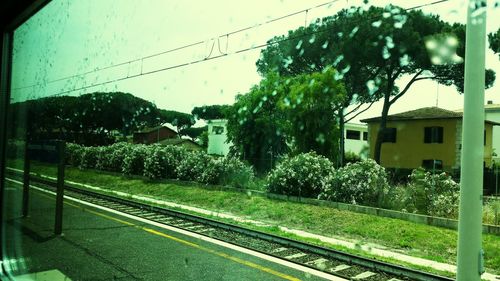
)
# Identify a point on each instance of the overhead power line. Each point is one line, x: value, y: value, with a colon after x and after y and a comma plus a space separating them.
x: 177, y: 48
x: 193, y: 62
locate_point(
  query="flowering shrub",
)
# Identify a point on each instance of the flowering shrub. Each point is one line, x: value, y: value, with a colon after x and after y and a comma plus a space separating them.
x: 105, y: 159
x: 161, y: 161
x: 236, y: 173
x: 193, y: 165
x: 363, y: 183
x: 212, y: 171
x: 133, y: 162
x: 432, y: 194
x: 306, y: 175
x: 73, y: 154
x: 89, y: 157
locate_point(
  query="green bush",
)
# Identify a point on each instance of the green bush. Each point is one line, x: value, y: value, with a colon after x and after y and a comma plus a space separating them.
x: 133, y: 162
x: 432, y: 194
x: 351, y: 157
x: 89, y: 157
x: 73, y: 154
x: 363, y: 183
x: 305, y: 175
x: 161, y: 161
x: 193, y: 165
x: 236, y: 173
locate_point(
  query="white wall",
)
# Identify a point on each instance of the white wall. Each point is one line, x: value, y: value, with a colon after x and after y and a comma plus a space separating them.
x: 494, y: 115
x: 355, y: 145
x: 217, y: 137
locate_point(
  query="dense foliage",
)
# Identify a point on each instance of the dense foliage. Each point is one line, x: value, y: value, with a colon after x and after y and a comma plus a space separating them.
x: 305, y: 175
x: 161, y: 162
x: 283, y: 115
x: 432, y: 194
x: 91, y: 119
x: 363, y: 183
x: 372, y: 48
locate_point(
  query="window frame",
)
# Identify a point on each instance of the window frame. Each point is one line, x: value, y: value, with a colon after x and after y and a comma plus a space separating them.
x: 390, y: 135
x: 350, y: 131
x: 14, y: 13
x: 433, y: 134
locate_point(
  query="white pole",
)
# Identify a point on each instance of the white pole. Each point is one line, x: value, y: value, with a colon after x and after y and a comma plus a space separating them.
x: 470, y: 257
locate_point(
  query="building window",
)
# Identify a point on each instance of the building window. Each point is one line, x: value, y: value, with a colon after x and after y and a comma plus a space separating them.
x: 433, y: 135
x: 432, y: 164
x: 353, y: 135
x: 390, y: 135
x: 218, y: 130
x: 365, y: 136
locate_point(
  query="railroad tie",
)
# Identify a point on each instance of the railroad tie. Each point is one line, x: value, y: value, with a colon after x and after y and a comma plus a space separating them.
x: 317, y: 262
x: 278, y: 250
x: 185, y: 224
x: 364, y: 275
x: 295, y: 256
x: 205, y: 230
x: 340, y: 267
x: 194, y: 227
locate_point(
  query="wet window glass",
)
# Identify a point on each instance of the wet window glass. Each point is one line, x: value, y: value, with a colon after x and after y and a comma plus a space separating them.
x: 228, y: 140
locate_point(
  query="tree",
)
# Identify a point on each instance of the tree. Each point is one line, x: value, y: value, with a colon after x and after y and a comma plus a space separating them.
x: 257, y: 126
x: 284, y: 114
x: 210, y: 112
x: 181, y: 120
x: 195, y: 132
x: 312, y: 99
x: 373, y: 48
x: 494, y: 39
x: 87, y: 119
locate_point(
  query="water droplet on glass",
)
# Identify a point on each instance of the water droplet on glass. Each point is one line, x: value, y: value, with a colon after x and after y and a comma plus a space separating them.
x: 312, y: 39
x: 404, y: 60
x: 385, y: 53
x: 338, y: 60
x: 287, y: 61
x: 372, y: 87
x: 325, y: 45
x: 353, y: 32
x: 320, y: 138
x: 298, y: 45
x: 389, y: 43
x: 377, y: 23
x: 286, y: 100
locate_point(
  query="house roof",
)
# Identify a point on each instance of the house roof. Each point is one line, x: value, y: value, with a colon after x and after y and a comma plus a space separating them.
x: 177, y: 141
x: 422, y: 114
x: 492, y: 107
x: 152, y: 129
x: 487, y: 107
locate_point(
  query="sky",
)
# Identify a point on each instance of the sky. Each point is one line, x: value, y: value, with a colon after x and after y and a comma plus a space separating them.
x: 68, y: 38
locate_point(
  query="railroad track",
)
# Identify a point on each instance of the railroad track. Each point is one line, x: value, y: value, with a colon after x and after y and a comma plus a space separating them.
x: 337, y: 263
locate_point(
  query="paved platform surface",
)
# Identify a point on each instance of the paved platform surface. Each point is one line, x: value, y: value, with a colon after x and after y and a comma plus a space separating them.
x: 97, y: 245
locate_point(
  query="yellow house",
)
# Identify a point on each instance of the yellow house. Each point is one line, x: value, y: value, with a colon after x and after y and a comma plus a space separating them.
x: 428, y: 137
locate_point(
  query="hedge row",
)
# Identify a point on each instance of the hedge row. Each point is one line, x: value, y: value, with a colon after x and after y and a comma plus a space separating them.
x: 365, y: 183
x: 161, y: 162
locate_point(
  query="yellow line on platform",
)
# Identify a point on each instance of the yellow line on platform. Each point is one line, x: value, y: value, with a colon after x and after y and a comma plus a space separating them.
x: 187, y: 243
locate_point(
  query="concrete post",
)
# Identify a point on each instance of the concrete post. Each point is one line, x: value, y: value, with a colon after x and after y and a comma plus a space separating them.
x: 469, y: 260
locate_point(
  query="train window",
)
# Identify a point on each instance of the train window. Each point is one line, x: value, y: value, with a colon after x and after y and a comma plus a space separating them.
x: 216, y: 140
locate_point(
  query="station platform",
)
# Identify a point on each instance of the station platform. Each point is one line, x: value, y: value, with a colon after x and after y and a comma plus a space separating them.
x: 100, y: 245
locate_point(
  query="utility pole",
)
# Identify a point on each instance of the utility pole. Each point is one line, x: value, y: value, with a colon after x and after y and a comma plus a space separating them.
x: 470, y: 255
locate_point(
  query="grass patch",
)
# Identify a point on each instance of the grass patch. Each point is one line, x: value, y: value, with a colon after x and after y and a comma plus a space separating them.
x: 429, y: 242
